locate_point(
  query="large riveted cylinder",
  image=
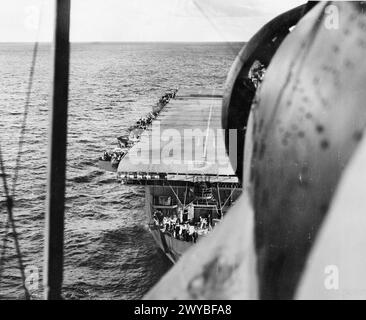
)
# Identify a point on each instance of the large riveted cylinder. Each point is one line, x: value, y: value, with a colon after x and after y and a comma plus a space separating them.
x: 308, y: 118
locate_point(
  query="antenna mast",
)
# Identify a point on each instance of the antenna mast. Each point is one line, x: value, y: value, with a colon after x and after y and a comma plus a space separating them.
x: 55, y: 203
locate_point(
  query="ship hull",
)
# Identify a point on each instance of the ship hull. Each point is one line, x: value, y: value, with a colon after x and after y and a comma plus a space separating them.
x: 106, y: 165
x: 173, y: 248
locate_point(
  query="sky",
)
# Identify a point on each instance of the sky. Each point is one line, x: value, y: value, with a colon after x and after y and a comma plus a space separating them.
x: 141, y: 20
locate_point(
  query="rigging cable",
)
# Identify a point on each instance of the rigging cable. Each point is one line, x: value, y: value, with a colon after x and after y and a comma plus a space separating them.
x: 25, y: 116
x: 10, y: 219
x: 10, y: 222
x: 208, y: 18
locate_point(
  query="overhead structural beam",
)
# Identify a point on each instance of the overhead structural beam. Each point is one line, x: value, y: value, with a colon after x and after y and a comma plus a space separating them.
x: 54, y: 238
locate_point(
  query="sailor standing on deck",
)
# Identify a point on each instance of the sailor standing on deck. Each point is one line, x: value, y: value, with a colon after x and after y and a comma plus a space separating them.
x: 195, y: 235
x: 177, y: 231
x: 164, y: 223
x: 203, y: 223
x: 191, y: 232
x: 180, y: 231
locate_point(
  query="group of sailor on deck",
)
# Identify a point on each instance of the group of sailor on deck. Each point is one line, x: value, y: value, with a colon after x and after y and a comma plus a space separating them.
x: 145, y: 121
x: 127, y: 141
x: 167, y: 96
x: 182, y: 227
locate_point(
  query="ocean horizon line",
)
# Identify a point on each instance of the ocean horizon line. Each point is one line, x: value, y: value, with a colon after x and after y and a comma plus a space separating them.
x: 124, y: 42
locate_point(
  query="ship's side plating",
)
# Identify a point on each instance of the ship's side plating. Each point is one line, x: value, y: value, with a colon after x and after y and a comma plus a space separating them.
x: 172, y: 247
x: 214, y: 205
